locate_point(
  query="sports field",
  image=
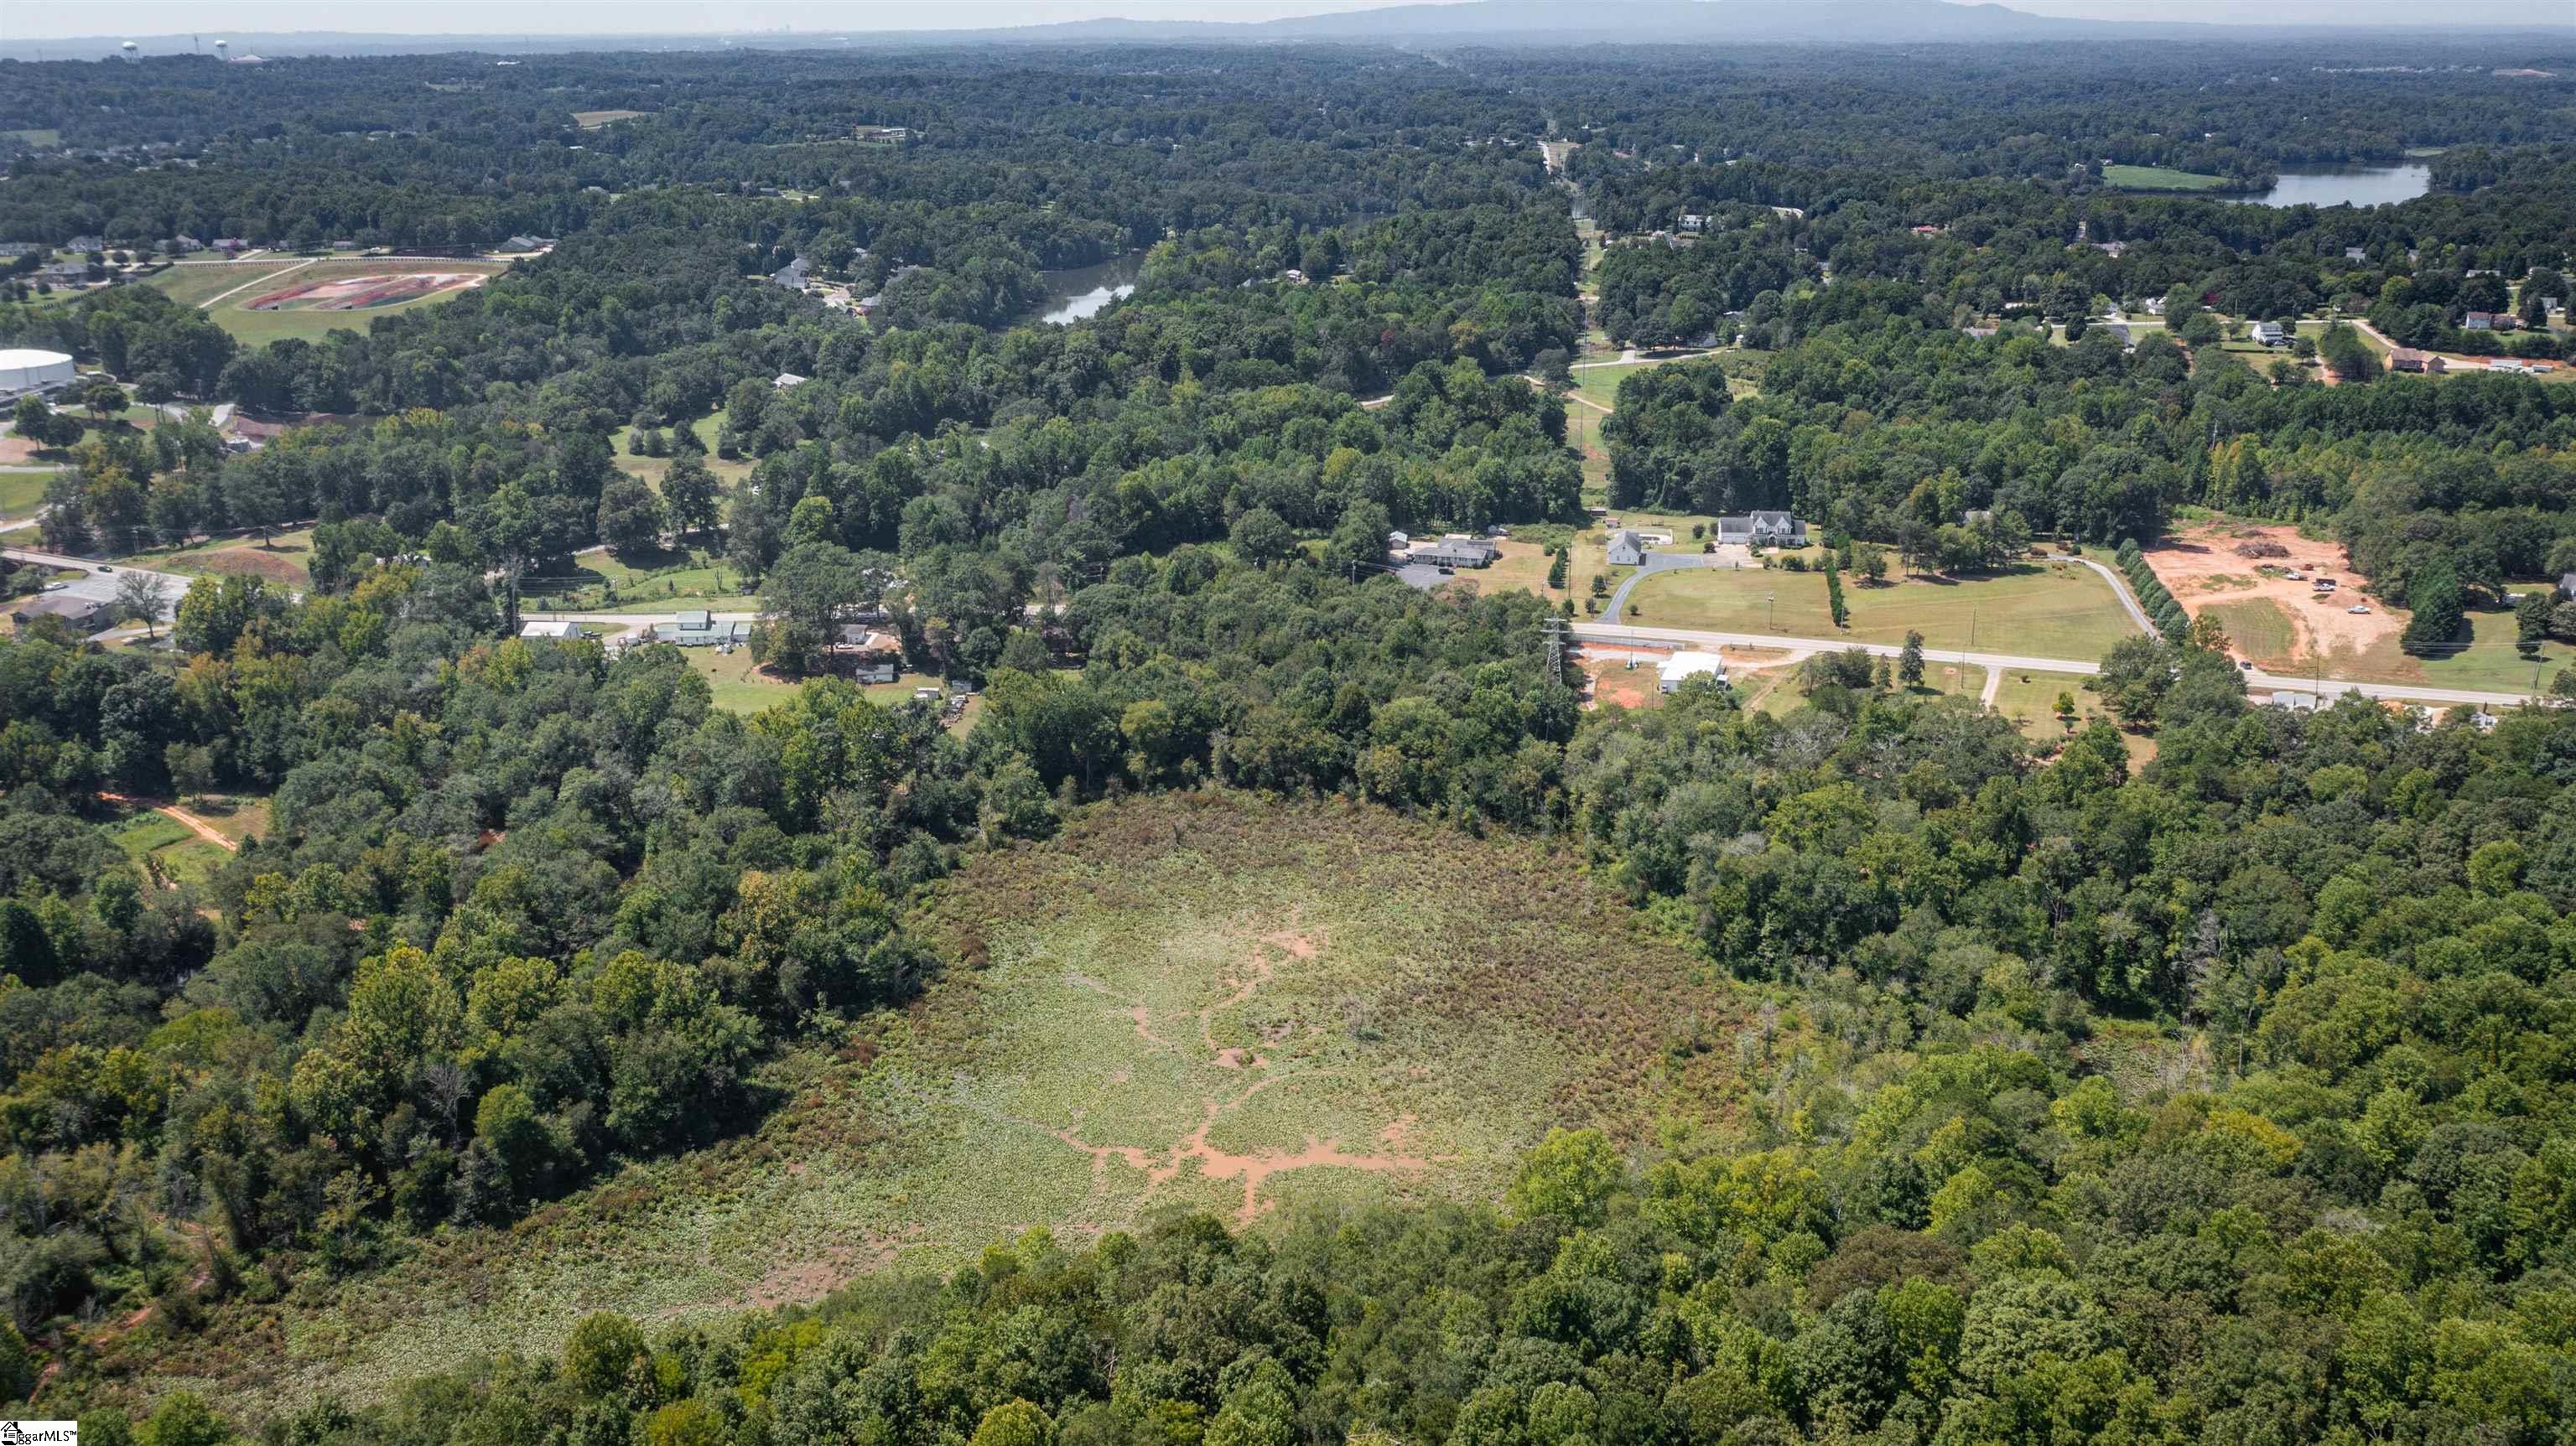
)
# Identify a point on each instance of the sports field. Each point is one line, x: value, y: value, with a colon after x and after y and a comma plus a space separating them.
x: 1192, y: 1002
x: 268, y: 300
x: 2160, y: 178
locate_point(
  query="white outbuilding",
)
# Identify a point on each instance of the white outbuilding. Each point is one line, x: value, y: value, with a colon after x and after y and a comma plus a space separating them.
x: 24, y: 370
x: 1680, y: 667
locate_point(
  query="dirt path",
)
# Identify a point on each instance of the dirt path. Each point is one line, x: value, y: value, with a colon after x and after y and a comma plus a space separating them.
x: 198, y: 826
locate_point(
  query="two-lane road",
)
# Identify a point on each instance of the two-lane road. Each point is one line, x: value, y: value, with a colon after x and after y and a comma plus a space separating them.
x: 2256, y: 681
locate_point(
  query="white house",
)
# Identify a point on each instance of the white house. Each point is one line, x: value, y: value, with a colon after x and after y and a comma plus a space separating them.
x: 785, y: 380
x: 1455, y: 550
x: 1626, y: 549
x: 562, y: 629
x: 1763, y: 529
x: 2269, y: 333
x: 1681, y: 667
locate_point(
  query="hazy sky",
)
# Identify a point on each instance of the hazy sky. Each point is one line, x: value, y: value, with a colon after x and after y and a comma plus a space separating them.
x: 31, y: 19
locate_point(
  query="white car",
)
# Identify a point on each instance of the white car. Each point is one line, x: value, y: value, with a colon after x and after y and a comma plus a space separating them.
x: 2356, y: 609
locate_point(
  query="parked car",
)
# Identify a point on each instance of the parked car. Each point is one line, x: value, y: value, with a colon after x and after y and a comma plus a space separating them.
x: 2356, y: 609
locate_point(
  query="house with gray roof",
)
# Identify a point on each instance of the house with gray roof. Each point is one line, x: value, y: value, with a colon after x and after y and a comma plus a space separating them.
x: 1626, y: 548
x: 1763, y: 529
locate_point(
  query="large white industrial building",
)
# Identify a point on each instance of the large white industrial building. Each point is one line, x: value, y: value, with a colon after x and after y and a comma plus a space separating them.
x: 23, y: 371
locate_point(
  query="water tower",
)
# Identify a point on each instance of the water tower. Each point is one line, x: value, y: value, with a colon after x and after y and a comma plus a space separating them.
x: 129, y: 49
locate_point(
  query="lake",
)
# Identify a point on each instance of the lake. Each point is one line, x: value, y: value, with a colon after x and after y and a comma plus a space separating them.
x: 1081, y: 291
x: 2343, y: 186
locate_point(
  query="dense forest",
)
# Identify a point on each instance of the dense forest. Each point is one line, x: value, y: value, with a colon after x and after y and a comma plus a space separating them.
x: 2216, y: 1097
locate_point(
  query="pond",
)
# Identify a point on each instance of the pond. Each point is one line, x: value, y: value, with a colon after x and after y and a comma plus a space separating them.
x: 2343, y: 186
x: 1081, y: 291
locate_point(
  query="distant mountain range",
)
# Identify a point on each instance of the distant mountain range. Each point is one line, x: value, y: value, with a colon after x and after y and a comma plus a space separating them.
x: 1489, y: 22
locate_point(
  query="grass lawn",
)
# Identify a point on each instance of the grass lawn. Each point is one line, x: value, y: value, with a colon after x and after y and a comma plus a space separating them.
x: 1195, y: 1002
x: 22, y: 489
x: 740, y: 686
x: 2260, y: 631
x: 2068, y: 611
x: 1583, y: 434
x: 2159, y: 178
x: 283, y: 560
x: 2487, y: 663
x: 651, y: 469
x: 166, y: 850
x: 1522, y: 567
x: 40, y: 138
x: 234, y: 815
x: 646, y: 583
x: 591, y: 120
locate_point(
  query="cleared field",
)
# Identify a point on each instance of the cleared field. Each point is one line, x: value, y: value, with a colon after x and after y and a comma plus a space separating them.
x: 312, y: 300
x: 591, y: 120
x: 283, y: 560
x: 741, y: 686
x: 198, y: 282
x: 651, y: 469
x: 2160, y: 178
x: 1522, y: 567
x: 2064, y: 610
x: 38, y: 137
x: 646, y: 583
x: 166, y: 851
x: 1195, y: 1001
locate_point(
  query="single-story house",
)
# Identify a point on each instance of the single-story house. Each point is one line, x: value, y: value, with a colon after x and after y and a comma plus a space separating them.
x: 1626, y: 548
x: 2297, y: 702
x: 784, y: 380
x: 2478, y: 321
x: 792, y: 275
x: 879, y: 654
x: 881, y: 135
x: 185, y: 245
x: 86, y: 243
x: 2408, y: 359
x: 2114, y: 329
x: 1763, y: 529
x: 1398, y: 541
x: 231, y: 245
x: 527, y: 243
x: 81, y: 614
x: 562, y: 629
x: 699, y: 628
x: 1455, y: 550
x: 1681, y: 667
x: 2270, y: 333
x: 2355, y: 253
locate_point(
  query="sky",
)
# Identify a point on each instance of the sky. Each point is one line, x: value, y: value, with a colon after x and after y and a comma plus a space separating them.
x: 22, y: 20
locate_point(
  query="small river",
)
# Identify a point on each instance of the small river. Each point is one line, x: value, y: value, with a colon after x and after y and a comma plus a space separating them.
x: 1082, y: 291
x: 2343, y: 186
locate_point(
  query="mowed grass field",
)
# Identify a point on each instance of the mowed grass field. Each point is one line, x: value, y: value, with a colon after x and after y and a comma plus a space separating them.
x: 233, y: 314
x: 2055, y: 610
x: 2160, y: 178
x: 1197, y: 1001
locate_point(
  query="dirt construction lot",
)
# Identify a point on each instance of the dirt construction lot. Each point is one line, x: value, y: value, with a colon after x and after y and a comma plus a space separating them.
x: 2203, y: 567
x: 1613, y: 679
